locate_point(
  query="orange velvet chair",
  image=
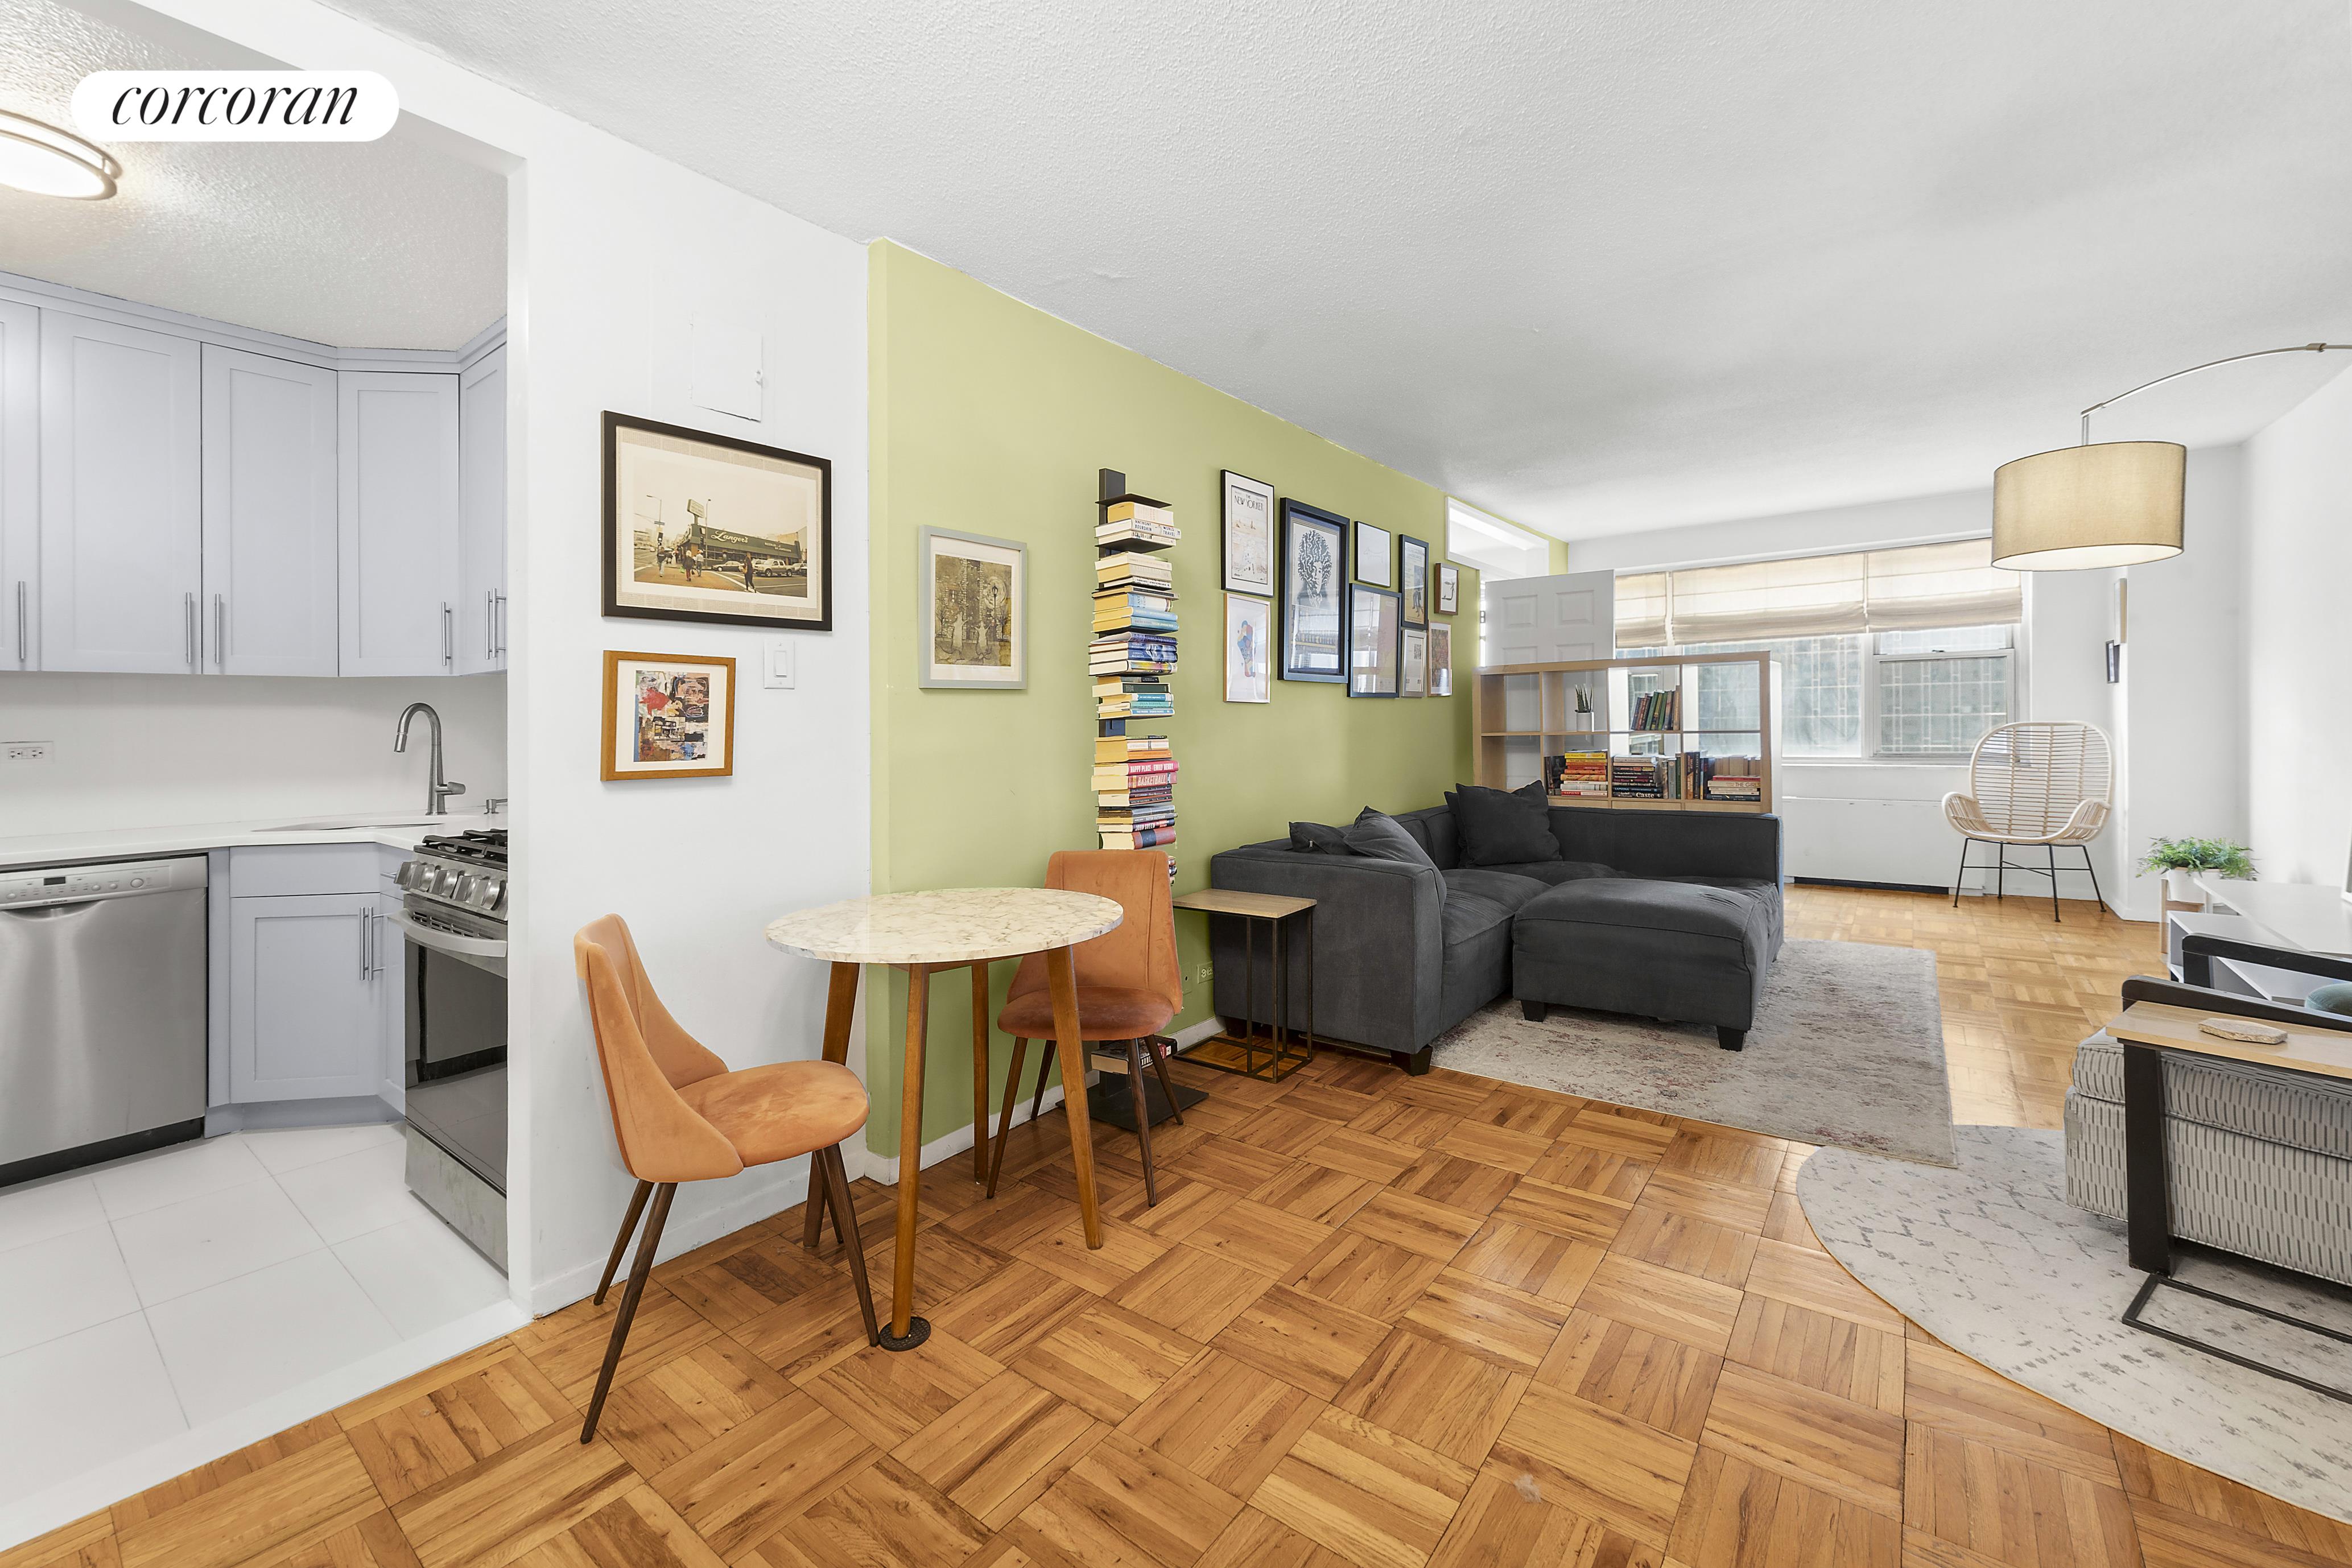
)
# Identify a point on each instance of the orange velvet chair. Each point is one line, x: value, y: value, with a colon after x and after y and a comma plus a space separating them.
x: 1129, y: 986
x: 680, y: 1116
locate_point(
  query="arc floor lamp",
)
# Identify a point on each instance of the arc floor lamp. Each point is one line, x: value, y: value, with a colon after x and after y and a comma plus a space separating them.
x: 2110, y: 503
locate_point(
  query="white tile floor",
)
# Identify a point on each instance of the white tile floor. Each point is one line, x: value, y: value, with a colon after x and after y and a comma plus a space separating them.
x: 156, y: 1294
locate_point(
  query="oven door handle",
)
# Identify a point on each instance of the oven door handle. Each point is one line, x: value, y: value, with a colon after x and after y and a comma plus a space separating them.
x: 483, y: 952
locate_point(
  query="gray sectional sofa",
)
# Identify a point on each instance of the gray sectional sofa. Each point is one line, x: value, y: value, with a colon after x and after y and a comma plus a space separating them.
x: 1669, y: 915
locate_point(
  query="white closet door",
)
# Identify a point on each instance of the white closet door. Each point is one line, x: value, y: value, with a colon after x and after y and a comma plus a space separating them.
x: 268, y: 605
x: 122, y: 497
x: 1549, y: 620
x: 20, y: 485
x: 398, y: 509
x: 482, y: 515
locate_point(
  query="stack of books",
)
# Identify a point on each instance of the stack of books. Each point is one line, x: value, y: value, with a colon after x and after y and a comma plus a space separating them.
x: 1577, y: 774
x: 1735, y: 778
x: 1131, y: 656
x: 1659, y: 709
x: 1639, y: 778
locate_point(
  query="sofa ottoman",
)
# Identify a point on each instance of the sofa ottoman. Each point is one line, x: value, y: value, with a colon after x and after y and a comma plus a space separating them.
x: 1689, y: 949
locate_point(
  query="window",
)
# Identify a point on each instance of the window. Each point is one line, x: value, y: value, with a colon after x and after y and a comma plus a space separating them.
x: 1939, y: 691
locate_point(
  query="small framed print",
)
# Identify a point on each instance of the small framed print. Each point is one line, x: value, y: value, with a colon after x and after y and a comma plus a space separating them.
x: 1374, y: 650
x: 669, y: 716
x: 1441, y: 660
x: 1449, y: 589
x: 1413, y: 679
x: 971, y: 612
x: 1249, y: 648
x: 1413, y: 578
x: 1373, y: 563
x: 1248, y: 535
x: 1313, y: 577
x: 700, y: 527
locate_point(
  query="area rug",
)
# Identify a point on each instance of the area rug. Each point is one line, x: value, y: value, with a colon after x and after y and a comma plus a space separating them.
x: 1848, y: 1048
x: 1989, y: 1258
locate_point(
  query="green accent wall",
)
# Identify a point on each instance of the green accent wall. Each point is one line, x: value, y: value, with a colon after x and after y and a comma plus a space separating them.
x: 1559, y: 556
x: 991, y: 418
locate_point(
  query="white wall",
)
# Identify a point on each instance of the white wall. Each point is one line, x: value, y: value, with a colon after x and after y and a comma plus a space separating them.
x: 611, y: 250
x: 140, y: 750
x: 2297, y: 639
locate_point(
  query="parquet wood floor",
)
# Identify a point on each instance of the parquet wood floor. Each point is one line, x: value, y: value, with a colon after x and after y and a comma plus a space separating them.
x: 1374, y: 1322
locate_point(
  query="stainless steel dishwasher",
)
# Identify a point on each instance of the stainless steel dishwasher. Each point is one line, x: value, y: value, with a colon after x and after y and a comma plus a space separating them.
x: 101, y: 1011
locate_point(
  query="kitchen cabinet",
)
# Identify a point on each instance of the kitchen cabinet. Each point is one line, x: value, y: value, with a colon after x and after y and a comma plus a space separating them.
x: 269, y: 587
x: 20, y: 485
x: 482, y: 515
x: 306, y: 1008
x: 121, y: 537
x: 397, y: 513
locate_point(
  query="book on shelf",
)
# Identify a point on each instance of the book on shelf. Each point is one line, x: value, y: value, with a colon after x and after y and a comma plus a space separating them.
x: 1130, y: 797
x: 1139, y: 512
x: 1662, y: 710
x: 1130, y: 748
x: 1576, y: 773
x: 1134, y: 685
x: 1134, y: 775
x: 1161, y: 709
x: 1141, y: 838
x: 1133, y: 621
x: 1137, y: 566
x: 1134, y: 598
x: 1142, y: 534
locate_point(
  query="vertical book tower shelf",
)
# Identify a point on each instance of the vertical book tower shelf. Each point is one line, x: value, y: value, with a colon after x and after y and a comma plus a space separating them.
x: 1130, y: 659
x: 1682, y: 732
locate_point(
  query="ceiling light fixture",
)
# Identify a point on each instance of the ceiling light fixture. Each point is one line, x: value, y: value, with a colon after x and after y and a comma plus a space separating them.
x: 2118, y: 503
x: 40, y: 158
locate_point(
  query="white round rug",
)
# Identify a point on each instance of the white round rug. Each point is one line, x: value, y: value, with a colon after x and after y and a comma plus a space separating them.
x: 1992, y: 1260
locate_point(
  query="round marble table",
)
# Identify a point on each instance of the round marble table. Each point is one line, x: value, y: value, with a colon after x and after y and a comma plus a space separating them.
x: 952, y: 928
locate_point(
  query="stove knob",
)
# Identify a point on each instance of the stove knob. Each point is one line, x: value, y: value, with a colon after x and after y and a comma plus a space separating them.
x: 468, y: 887
x: 443, y: 882
x: 494, y: 893
x: 405, y: 877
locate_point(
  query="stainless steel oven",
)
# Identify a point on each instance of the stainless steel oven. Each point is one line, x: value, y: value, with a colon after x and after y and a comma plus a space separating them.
x: 454, y: 979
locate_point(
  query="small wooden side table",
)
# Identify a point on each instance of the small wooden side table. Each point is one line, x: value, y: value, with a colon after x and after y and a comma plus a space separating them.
x: 2147, y: 1030
x: 1273, y: 1055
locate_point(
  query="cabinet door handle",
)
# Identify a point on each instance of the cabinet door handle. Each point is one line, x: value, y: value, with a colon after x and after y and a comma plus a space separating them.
x: 502, y: 625
x: 21, y: 660
x: 367, y: 928
x: 449, y: 634
x: 188, y: 609
x: 220, y: 632
x: 489, y: 623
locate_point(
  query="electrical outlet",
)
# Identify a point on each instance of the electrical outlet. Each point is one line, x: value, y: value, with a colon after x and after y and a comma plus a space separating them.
x: 23, y: 751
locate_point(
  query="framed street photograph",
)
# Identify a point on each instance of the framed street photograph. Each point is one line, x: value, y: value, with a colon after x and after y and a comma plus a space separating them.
x: 669, y: 716
x: 1413, y: 578
x: 1373, y: 563
x: 1449, y: 589
x: 700, y: 527
x: 1248, y: 535
x: 971, y: 610
x: 1413, y: 679
x: 1374, y: 648
x: 1249, y: 648
x: 1314, y: 573
x: 1441, y: 660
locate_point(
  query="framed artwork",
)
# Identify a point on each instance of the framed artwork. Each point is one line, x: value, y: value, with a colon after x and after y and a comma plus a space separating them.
x: 1413, y: 578
x: 1412, y: 679
x: 706, y: 528
x: 1441, y: 660
x: 1248, y: 535
x: 1249, y: 648
x: 1374, y: 648
x: 1314, y: 574
x: 1373, y: 563
x: 1449, y: 589
x: 971, y: 612
x: 669, y: 716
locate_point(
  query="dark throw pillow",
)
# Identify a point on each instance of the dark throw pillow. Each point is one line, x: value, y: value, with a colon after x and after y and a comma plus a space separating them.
x: 1384, y: 837
x: 1314, y: 837
x: 1503, y: 828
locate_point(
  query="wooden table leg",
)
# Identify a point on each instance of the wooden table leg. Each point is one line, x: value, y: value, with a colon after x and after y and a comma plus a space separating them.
x: 907, y: 1331
x: 840, y: 1007
x: 980, y: 1073
x: 1061, y: 978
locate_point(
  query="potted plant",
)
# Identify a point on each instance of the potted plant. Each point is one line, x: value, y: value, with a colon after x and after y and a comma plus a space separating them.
x: 2179, y: 860
x: 1584, y: 708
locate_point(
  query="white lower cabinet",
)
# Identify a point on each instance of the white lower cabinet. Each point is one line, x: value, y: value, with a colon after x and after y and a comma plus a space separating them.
x: 392, y: 1021
x: 306, y: 998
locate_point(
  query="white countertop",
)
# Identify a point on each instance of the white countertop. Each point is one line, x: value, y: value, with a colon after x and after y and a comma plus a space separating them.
x: 393, y: 829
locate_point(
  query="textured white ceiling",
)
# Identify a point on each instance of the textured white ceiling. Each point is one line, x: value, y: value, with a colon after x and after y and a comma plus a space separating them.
x: 1594, y: 265
x: 363, y: 245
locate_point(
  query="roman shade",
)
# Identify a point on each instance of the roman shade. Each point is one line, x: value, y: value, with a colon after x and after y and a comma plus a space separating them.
x: 1914, y: 587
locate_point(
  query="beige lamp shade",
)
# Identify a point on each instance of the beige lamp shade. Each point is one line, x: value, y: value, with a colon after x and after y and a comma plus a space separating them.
x: 2117, y: 503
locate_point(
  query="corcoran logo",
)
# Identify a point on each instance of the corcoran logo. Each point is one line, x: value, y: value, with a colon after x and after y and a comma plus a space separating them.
x: 234, y: 106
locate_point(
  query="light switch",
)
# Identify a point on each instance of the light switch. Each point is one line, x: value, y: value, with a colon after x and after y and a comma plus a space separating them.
x: 779, y: 669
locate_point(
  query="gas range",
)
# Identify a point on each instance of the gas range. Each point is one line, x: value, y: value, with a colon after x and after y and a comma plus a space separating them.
x: 464, y: 872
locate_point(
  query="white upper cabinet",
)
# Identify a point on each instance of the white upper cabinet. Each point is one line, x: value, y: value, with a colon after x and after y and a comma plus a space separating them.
x: 20, y: 485
x: 268, y: 605
x: 482, y: 515
x: 397, y: 513
x: 121, y: 536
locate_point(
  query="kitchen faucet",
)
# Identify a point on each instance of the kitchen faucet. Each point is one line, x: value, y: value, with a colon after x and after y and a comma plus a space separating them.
x: 438, y: 790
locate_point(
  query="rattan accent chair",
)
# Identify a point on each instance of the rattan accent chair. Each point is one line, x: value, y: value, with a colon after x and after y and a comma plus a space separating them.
x: 2052, y: 785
